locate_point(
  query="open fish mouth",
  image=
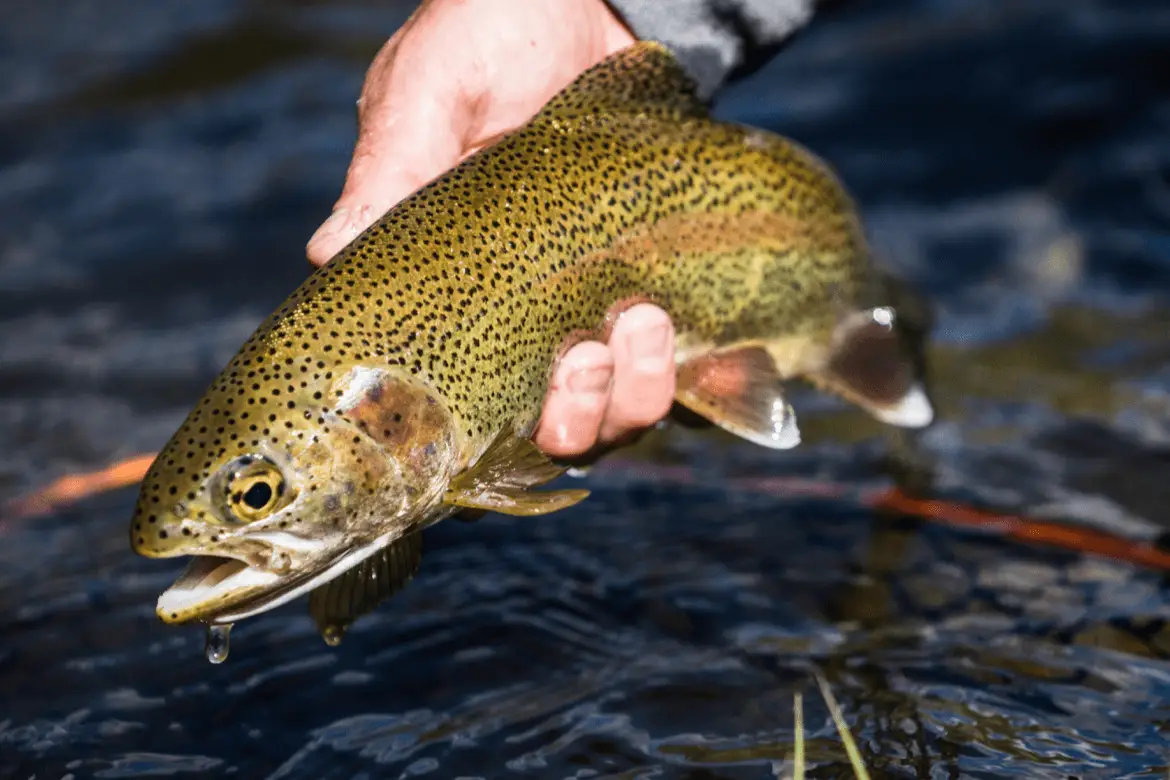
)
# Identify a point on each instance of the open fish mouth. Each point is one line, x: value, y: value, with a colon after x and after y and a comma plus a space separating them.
x: 218, y: 589
x: 212, y: 585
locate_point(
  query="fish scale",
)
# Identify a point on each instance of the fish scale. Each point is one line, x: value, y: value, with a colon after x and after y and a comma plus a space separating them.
x: 402, y: 381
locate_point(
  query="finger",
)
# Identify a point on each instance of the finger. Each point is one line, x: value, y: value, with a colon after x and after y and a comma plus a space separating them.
x: 643, y: 387
x: 411, y: 126
x: 576, y: 401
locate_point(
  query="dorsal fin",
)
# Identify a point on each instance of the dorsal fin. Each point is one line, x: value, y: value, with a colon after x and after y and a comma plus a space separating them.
x: 644, y: 78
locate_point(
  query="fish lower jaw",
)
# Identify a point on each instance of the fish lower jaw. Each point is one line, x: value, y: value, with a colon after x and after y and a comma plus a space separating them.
x: 226, y: 590
x: 337, y: 567
x: 208, y: 584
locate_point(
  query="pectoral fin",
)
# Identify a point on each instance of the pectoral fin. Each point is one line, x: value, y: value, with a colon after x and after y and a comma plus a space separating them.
x: 502, y: 478
x: 338, y: 603
x: 740, y: 391
x: 870, y: 366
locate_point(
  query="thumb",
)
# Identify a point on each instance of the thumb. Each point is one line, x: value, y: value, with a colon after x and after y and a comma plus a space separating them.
x: 412, y: 122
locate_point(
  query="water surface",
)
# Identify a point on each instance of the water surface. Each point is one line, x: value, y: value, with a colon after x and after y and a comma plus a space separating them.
x: 162, y: 164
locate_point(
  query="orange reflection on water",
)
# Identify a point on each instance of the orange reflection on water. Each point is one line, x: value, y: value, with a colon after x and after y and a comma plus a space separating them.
x: 74, y: 487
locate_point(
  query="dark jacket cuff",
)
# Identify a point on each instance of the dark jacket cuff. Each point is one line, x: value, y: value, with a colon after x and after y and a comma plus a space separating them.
x: 711, y: 38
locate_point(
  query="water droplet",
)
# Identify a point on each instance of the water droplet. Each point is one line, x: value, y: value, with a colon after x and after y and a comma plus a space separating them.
x: 333, y: 634
x: 218, y: 643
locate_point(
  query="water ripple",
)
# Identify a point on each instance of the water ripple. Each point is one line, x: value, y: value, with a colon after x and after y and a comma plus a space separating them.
x: 1011, y: 159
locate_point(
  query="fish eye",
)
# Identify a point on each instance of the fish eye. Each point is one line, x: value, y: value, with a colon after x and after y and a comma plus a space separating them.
x: 255, y: 489
x: 259, y: 496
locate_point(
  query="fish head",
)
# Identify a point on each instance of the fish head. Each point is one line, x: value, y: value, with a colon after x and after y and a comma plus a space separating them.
x: 279, y: 488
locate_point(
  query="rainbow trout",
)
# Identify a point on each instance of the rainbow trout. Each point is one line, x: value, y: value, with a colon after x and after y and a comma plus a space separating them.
x: 400, y: 384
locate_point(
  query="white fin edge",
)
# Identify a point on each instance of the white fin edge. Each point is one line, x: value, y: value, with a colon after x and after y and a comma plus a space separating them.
x: 913, y: 411
x: 785, y: 433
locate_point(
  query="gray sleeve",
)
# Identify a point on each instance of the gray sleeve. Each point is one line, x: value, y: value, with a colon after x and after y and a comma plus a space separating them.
x: 712, y: 38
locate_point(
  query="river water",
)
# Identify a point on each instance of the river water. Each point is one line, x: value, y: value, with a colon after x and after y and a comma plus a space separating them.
x: 162, y: 164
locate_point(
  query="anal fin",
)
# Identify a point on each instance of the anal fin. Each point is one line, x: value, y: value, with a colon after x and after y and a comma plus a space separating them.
x: 870, y: 365
x: 740, y: 390
x: 502, y: 478
x: 338, y: 603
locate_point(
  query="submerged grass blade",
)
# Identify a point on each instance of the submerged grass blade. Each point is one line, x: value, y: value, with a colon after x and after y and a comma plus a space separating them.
x: 843, y: 729
x: 798, y: 758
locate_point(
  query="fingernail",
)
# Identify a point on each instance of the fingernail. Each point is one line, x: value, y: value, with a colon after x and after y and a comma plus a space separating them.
x: 649, y: 348
x: 330, y: 226
x: 590, y: 380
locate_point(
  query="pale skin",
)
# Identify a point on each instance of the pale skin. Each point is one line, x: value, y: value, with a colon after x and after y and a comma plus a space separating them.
x: 456, y: 75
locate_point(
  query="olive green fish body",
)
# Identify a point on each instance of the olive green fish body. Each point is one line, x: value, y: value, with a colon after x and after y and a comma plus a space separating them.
x: 739, y: 235
x: 401, y: 381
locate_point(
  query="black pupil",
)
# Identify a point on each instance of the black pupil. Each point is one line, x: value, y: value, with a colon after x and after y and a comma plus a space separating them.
x: 258, y: 495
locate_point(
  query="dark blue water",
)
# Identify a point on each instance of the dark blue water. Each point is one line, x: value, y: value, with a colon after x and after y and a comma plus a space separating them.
x: 162, y: 164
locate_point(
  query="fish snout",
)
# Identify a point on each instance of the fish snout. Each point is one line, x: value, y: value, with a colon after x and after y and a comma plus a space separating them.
x: 164, y: 537
x: 156, y: 532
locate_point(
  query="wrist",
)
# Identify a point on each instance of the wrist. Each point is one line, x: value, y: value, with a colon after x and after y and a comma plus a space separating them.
x: 617, y: 34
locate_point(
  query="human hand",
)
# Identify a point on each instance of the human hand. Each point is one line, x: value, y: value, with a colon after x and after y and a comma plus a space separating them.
x: 458, y: 74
